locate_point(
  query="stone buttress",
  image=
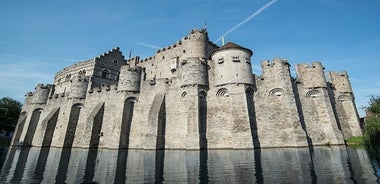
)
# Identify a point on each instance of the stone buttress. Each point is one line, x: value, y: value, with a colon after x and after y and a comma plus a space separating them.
x: 191, y: 94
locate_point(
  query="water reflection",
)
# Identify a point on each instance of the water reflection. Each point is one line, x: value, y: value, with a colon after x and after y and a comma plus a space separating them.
x: 293, y: 165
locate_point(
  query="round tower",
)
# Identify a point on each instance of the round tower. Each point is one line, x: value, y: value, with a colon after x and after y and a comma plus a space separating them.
x: 312, y: 76
x: 195, y: 44
x: 232, y: 65
x: 41, y: 94
x: 194, y: 72
x: 78, y: 87
x: 129, y: 79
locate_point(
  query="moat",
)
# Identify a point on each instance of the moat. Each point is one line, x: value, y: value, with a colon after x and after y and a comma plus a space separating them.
x: 336, y: 164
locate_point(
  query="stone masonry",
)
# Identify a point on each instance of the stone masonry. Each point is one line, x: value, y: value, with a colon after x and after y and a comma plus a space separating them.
x: 192, y: 94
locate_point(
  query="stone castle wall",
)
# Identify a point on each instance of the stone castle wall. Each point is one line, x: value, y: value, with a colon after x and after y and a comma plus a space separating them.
x: 189, y: 95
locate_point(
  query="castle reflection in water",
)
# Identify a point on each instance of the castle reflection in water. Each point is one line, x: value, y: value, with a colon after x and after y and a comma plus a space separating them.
x: 336, y: 164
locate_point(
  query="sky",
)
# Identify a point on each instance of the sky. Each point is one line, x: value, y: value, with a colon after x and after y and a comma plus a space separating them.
x: 39, y: 38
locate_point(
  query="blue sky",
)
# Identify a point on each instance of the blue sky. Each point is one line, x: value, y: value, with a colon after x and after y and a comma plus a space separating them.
x: 38, y: 38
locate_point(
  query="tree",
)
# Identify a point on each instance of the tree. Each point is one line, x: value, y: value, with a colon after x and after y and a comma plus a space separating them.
x: 374, y: 105
x: 9, y: 113
x: 372, y: 123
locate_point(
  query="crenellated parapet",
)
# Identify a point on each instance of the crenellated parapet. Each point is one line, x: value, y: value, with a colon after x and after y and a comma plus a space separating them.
x: 194, y: 72
x: 109, y: 53
x: 195, y: 44
x: 191, y: 94
x: 311, y: 76
x: 130, y: 78
x: 276, y: 70
x: 132, y: 62
x: 41, y: 94
x: 79, y: 87
x: 103, y: 88
x: 340, y: 81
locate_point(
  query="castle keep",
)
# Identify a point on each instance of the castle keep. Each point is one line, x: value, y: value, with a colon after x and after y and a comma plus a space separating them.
x: 192, y: 94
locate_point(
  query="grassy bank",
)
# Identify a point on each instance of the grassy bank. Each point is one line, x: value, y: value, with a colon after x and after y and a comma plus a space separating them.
x: 355, y: 141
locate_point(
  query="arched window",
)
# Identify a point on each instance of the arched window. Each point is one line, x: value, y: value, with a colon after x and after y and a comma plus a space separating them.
x: 342, y: 98
x: 105, y: 73
x: 276, y: 92
x: 313, y: 93
x: 222, y: 92
x: 249, y: 91
x: 184, y: 94
x: 80, y: 74
x: 68, y: 77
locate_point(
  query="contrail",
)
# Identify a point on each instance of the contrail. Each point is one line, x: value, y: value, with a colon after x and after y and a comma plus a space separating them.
x: 147, y: 45
x: 247, y: 19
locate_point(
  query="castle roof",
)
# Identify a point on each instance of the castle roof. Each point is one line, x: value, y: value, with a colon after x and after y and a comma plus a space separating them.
x: 230, y: 45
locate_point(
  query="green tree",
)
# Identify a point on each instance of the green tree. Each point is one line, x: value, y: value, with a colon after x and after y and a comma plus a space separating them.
x: 372, y: 123
x: 374, y: 105
x: 9, y: 113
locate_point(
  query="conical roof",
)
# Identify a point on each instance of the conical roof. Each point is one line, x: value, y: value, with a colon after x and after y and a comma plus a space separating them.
x: 230, y: 45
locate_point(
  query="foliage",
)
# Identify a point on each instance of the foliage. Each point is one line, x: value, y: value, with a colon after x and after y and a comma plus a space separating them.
x: 372, y: 124
x: 372, y: 131
x: 9, y: 113
x: 374, y: 105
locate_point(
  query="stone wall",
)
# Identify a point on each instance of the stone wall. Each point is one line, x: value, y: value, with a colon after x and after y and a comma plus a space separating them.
x: 189, y: 95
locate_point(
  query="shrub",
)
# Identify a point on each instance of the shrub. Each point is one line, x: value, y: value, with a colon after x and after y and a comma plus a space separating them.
x: 372, y: 132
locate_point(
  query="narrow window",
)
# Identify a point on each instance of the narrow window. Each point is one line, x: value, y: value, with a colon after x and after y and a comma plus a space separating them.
x: 105, y: 73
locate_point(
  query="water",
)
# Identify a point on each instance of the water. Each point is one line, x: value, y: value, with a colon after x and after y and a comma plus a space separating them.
x: 336, y: 164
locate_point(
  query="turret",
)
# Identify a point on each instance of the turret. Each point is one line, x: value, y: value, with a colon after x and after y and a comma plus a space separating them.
x: 79, y: 86
x: 129, y: 79
x: 41, y: 94
x: 232, y: 65
x: 311, y: 76
x: 276, y: 71
x: 340, y: 81
x: 194, y: 72
x: 195, y: 44
x: 345, y: 104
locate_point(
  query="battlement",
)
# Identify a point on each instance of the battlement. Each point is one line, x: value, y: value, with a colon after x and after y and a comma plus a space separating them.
x: 338, y: 74
x: 114, y: 50
x: 133, y: 61
x: 42, y: 86
x: 130, y: 78
x: 192, y: 35
x: 316, y: 65
x: 191, y: 94
x: 103, y: 88
x: 195, y: 32
x: 311, y: 76
x: 275, y: 62
x: 340, y: 81
x: 41, y: 93
x: 147, y: 59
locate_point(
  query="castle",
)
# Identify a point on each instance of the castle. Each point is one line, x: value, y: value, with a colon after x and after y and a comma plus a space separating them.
x: 192, y: 94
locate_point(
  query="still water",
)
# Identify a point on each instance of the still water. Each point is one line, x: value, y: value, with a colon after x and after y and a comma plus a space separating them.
x: 336, y: 164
